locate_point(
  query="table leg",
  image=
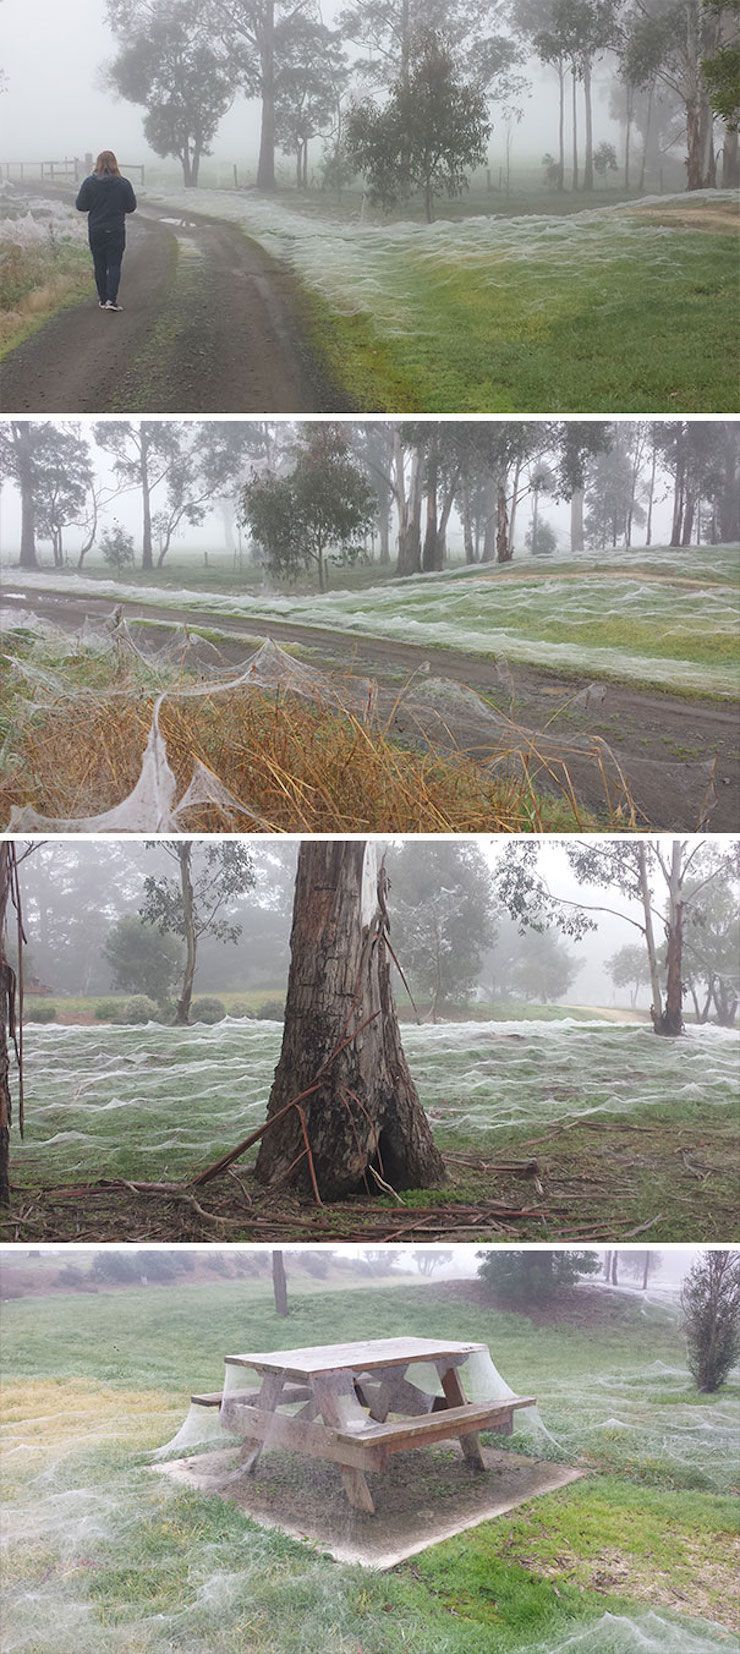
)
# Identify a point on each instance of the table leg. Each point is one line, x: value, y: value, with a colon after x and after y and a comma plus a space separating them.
x: 335, y: 1397
x: 268, y: 1399
x: 455, y: 1397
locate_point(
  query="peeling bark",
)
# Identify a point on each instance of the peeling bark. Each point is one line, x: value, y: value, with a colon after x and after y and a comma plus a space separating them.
x: 342, y: 1043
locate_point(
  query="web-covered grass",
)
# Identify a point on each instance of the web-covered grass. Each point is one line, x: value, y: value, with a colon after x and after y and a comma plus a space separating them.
x: 157, y: 1103
x: 606, y: 310
x: 654, y: 616
x: 102, y: 1555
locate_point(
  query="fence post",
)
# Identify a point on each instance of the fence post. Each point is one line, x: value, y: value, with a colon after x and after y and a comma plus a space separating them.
x: 236, y: 177
x: 88, y: 160
x: 142, y: 175
x: 51, y: 171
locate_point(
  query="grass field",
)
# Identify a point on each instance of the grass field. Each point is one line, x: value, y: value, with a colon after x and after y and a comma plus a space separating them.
x: 618, y: 309
x: 650, y: 1124
x: 652, y: 616
x: 103, y: 1556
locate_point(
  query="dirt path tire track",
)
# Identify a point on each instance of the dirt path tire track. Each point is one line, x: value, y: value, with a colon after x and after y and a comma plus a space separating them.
x: 638, y: 724
x: 210, y: 325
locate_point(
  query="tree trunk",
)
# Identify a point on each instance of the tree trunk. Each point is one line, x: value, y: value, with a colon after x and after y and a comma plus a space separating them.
x: 341, y: 1049
x: 430, y: 559
x: 645, y: 1271
x: 266, y: 163
x: 184, y: 856
x: 384, y: 531
x: 576, y: 520
x: 147, y: 560
x: 575, y: 127
x: 279, y: 1284
x: 489, y: 530
x: 651, y: 498
x: 467, y: 523
x: 615, y: 1269
x: 588, y: 165
x: 694, y: 157
x: 671, y: 1021
x: 514, y: 502
x: 503, y: 544
x: 409, y: 525
x: 646, y: 139
x: 561, y: 126
x: 22, y: 441
x: 730, y: 160
x: 656, y: 1007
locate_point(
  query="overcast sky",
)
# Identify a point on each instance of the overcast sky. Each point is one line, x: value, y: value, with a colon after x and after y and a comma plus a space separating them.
x: 56, y: 103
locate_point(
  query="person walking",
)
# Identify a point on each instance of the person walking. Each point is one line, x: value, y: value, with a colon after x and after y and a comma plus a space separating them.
x: 107, y: 198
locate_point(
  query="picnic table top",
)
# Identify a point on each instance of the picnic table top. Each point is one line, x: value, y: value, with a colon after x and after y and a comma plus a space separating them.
x: 362, y: 1356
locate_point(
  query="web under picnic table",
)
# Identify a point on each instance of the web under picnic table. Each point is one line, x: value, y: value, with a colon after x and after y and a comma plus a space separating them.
x: 355, y: 1404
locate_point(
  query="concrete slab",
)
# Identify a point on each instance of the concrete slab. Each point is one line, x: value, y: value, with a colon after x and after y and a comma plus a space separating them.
x: 421, y: 1498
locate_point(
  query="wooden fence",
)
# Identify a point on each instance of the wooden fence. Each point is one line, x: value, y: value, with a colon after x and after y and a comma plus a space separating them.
x: 71, y: 169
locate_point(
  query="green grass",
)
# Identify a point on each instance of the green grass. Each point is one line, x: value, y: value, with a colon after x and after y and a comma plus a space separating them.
x: 605, y: 334
x: 92, y: 1382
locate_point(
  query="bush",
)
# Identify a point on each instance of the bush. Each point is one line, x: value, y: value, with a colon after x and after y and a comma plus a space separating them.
x: 524, y: 1278
x: 271, y: 1010
x: 710, y: 1301
x: 116, y: 1266
x: 207, y: 1009
x: 107, y: 1010
x: 240, y: 1008
x: 138, y: 1010
x: 39, y: 1011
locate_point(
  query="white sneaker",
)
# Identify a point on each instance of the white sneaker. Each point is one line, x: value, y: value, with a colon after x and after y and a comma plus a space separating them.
x: 109, y: 305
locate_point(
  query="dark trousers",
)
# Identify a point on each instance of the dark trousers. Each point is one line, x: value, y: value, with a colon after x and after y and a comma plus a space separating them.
x: 107, y: 247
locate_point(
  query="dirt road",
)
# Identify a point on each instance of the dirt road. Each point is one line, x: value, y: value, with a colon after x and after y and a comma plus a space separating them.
x: 666, y: 745
x: 209, y: 325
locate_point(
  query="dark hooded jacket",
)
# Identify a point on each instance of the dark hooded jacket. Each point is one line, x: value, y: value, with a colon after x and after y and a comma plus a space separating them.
x: 106, y: 199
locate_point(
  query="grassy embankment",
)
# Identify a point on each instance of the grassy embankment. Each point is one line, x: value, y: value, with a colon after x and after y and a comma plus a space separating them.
x: 37, y: 281
x: 619, y: 327
x: 295, y: 765
x: 109, y: 1555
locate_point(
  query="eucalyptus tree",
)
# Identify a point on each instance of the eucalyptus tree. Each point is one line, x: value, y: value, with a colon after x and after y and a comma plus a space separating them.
x: 668, y: 41
x: 198, y: 901
x: 343, y: 1112
x: 475, y: 31
x: 49, y: 463
x: 664, y: 880
x: 313, y: 75
x: 169, y: 61
x: 426, y: 138
x: 444, y: 910
x: 257, y: 36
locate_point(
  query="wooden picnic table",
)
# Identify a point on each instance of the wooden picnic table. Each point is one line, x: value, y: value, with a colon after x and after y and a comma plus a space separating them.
x: 356, y: 1404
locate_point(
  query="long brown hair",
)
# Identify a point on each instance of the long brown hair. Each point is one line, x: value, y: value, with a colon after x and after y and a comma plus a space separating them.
x: 106, y: 162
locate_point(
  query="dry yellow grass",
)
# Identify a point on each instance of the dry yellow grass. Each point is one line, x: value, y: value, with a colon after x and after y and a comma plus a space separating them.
x: 297, y: 766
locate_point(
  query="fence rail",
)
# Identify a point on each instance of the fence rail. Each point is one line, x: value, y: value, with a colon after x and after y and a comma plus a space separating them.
x: 54, y: 171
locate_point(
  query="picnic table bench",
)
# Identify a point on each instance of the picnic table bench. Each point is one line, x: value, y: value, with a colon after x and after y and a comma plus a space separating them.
x: 345, y: 1395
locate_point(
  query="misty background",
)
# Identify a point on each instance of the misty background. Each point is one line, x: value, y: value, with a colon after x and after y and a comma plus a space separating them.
x: 219, y: 532
x: 75, y: 892
x: 56, y: 102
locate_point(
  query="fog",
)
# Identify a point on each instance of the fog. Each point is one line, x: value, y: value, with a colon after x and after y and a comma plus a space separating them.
x: 669, y: 1266
x: 74, y: 892
x: 217, y: 535
x: 56, y: 103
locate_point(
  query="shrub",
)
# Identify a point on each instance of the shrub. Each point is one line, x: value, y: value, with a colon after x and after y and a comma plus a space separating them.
x: 138, y: 1010
x: 271, y: 1010
x: 524, y: 1278
x: 207, y: 1009
x: 38, y: 1011
x: 116, y: 1266
x: 710, y: 1301
x: 240, y: 1008
x: 107, y: 1010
